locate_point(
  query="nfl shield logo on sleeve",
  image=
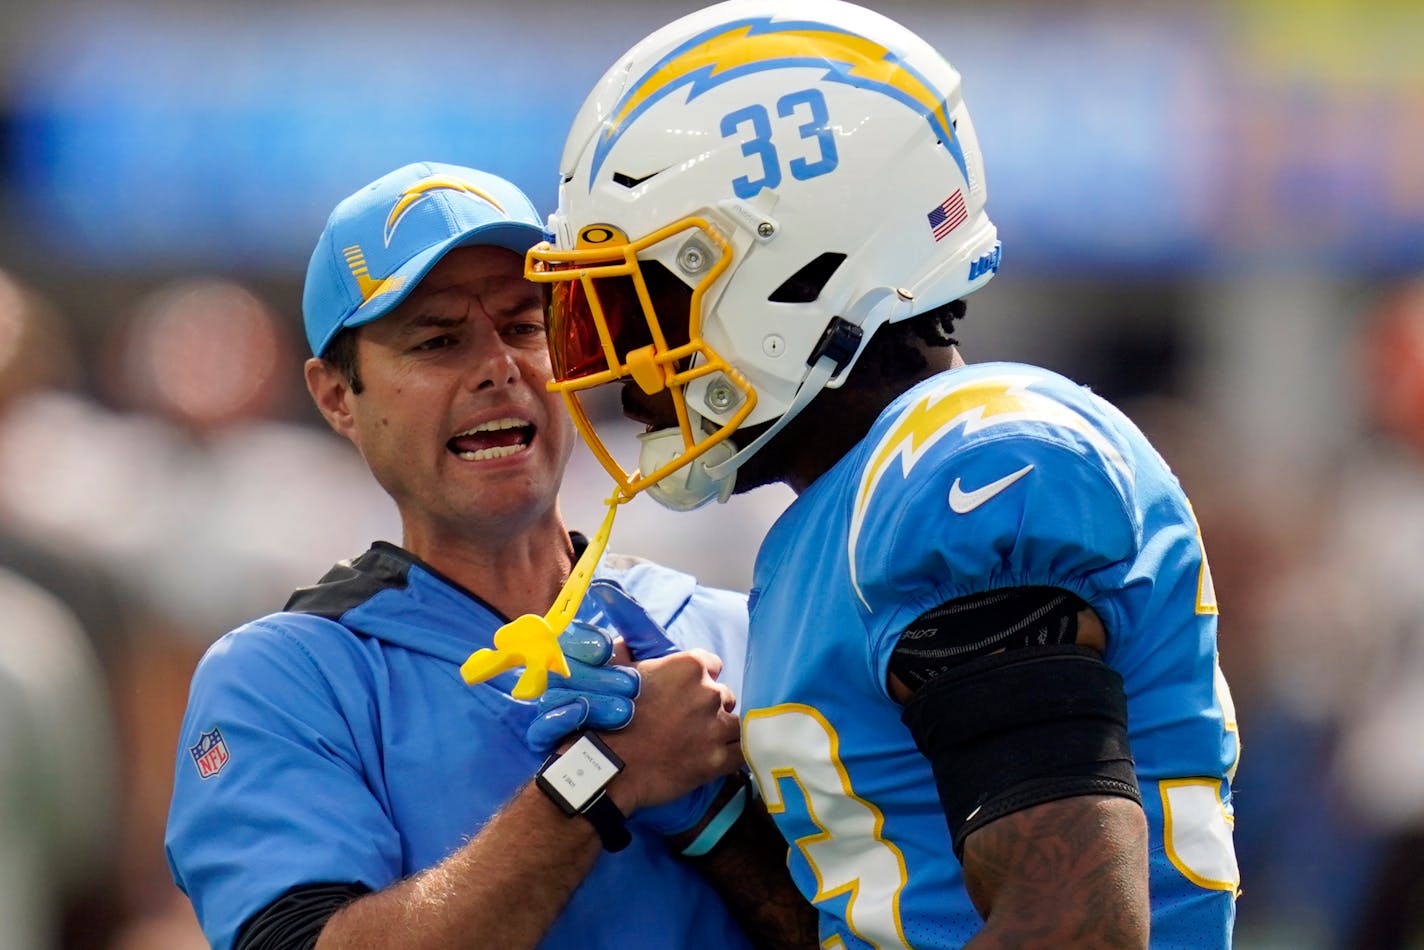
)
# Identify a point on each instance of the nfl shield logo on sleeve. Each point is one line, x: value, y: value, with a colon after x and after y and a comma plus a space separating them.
x: 210, y: 753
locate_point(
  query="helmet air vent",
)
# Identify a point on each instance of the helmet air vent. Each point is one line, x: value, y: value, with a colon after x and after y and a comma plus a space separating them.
x: 805, y: 285
x: 628, y: 181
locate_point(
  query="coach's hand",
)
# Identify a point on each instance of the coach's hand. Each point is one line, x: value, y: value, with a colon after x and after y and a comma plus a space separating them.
x: 609, y: 696
x: 684, y: 738
x: 598, y: 695
x: 594, y: 695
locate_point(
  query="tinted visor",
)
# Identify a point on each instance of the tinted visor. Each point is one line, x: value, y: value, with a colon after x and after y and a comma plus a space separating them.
x: 574, y: 341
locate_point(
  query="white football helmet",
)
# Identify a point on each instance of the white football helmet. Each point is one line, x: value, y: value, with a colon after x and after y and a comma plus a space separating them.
x: 747, y: 195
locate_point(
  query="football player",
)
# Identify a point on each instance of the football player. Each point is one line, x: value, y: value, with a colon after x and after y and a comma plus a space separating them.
x: 982, y: 698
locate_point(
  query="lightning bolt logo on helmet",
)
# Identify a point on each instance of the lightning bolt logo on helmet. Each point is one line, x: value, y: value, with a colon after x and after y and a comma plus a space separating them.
x: 762, y: 43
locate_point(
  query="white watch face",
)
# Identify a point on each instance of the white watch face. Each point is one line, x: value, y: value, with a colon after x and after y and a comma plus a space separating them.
x: 580, y: 773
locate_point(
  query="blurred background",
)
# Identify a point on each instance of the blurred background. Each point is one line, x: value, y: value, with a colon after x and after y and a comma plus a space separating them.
x: 1213, y: 214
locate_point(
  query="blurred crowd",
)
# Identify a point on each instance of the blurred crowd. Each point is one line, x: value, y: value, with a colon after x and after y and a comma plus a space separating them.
x: 154, y: 493
x: 165, y: 482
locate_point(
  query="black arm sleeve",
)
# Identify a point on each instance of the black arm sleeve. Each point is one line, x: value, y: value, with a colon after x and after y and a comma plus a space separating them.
x: 1009, y: 712
x: 294, y: 920
x: 1013, y: 730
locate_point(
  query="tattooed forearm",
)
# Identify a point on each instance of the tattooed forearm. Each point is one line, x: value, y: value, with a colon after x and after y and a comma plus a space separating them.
x: 748, y: 868
x: 1070, y: 873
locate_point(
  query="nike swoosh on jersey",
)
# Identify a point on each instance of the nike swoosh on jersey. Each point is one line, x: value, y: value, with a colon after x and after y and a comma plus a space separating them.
x: 962, y: 502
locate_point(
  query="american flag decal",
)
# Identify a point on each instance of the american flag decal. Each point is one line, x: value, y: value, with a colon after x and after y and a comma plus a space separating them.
x: 949, y: 215
x: 210, y: 754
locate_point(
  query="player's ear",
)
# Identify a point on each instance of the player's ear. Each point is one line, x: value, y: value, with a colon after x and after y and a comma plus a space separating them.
x: 332, y: 393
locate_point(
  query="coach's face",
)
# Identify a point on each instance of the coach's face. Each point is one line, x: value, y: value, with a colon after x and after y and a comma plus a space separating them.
x: 455, y: 420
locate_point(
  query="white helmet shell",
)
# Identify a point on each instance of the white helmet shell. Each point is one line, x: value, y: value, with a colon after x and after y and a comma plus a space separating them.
x: 806, y: 132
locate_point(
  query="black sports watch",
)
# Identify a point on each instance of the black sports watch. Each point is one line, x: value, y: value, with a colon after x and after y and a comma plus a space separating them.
x: 577, y: 781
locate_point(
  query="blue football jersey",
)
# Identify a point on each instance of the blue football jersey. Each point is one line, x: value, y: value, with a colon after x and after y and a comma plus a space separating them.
x: 989, y: 476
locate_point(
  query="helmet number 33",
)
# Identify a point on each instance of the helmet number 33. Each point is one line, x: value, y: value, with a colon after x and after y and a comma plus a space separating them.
x: 808, y: 103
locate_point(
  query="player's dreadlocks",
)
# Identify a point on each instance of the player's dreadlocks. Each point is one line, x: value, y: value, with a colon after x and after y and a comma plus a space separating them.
x: 895, y: 349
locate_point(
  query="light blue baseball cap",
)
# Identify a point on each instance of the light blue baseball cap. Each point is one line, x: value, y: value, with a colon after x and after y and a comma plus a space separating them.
x: 379, y: 242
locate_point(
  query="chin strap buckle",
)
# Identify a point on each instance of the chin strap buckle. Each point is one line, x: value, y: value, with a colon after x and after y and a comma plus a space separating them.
x: 840, y: 341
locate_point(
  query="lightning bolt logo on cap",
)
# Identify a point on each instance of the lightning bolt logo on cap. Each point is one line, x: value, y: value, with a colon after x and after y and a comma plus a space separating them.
x: 753, y: 45
x: 371, y: 287
x: 423, y: 189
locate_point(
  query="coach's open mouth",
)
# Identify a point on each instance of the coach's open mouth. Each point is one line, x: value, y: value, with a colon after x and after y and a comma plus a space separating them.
x: 495, y: 439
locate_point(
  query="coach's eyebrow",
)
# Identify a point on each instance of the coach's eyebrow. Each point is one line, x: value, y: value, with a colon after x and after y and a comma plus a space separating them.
x: 531, y: 299
x: 425, y: 321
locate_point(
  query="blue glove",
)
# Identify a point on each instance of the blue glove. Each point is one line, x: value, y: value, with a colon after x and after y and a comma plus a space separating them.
x: 647, y: 640
x: 644, y: 636
x: 593, y: 696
